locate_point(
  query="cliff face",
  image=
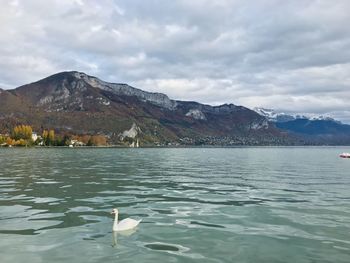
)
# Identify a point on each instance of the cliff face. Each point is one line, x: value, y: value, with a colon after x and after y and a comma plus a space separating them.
x: 159, y: 99
x: 77, y: 103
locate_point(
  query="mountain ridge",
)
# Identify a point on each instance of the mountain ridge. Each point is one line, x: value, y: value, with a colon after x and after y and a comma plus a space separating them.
x: 276, y: 116
x: 311, y: 128
x: 76, y: 103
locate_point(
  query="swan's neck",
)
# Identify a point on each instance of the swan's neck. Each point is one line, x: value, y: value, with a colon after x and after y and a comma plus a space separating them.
x: 115, y: 224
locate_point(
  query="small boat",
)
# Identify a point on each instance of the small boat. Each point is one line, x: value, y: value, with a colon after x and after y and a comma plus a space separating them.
x: 344, y: 155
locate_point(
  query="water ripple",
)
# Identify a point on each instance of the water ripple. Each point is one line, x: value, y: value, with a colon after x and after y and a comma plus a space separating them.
x: 207, y: 205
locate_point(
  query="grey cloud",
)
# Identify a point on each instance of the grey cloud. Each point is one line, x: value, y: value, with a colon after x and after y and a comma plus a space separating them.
x: 286, y: 55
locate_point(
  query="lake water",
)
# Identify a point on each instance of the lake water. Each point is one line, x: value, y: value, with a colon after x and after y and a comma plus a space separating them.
x: 197, y: 205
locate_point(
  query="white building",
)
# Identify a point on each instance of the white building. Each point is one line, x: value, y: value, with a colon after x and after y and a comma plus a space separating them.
x: 34, y: 136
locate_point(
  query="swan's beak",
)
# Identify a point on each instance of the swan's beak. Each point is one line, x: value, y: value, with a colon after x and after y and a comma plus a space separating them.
x: 113, y: 212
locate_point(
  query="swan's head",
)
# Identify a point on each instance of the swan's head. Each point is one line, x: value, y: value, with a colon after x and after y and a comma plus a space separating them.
x: 114, y: 211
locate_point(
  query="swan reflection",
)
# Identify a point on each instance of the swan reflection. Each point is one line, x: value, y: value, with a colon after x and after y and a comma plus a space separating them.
x: 115, y: 235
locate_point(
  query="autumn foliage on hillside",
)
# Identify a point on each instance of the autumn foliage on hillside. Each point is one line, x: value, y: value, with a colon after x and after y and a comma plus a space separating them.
x: 22, y: 135
x: 48, y: 138
x: 91, y: 140
x: 22, y: 132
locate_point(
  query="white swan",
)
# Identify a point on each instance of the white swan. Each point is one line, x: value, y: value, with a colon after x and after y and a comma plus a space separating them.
x: 125, y: 224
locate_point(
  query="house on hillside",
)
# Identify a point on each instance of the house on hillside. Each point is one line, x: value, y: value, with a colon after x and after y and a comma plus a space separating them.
x: 76, y: 143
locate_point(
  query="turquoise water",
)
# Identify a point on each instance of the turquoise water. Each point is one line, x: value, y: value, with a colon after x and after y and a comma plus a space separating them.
x: 197, y: 205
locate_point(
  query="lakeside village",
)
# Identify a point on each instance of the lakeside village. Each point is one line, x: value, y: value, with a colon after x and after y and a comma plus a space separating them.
x: 23, y: 136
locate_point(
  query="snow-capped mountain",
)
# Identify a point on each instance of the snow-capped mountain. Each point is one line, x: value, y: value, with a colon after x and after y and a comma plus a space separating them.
x: 309, y: 127
x: 275, y: 116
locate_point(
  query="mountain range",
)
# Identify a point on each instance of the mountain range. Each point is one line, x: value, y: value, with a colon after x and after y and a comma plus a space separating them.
x: 76, y: 103
x: 314, y: 129
x: 276, y: 116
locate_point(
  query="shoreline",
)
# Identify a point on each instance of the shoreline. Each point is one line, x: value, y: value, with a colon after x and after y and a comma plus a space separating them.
x: 176, y: 147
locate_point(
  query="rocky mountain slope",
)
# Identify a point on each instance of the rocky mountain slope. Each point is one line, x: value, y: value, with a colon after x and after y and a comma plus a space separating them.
x: 75, y: 103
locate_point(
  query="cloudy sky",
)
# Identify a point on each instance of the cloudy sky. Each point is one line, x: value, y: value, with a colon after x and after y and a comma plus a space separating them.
x: 292, y: 55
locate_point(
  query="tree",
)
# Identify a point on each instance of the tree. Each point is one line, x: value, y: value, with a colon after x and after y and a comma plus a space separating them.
x: 21, y: 142
x: 22, y: 135
x: 45, y: 137
x: 85, y: 139
x: 9, y: 141
x: 98, y: 140
x: 49, y: 137
x: 66, y: 140
x: 22, y: 132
